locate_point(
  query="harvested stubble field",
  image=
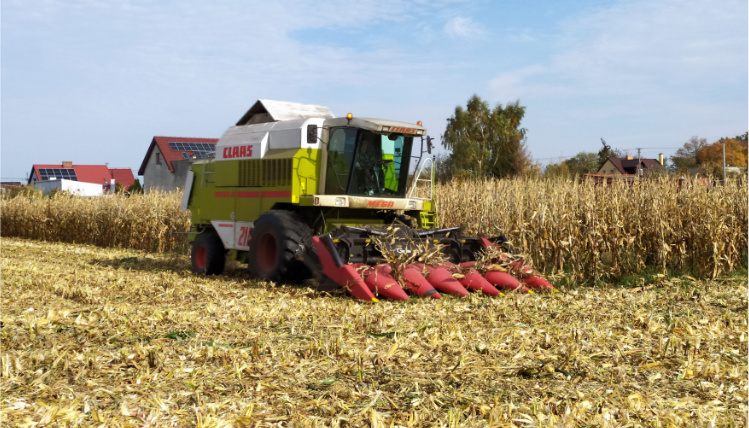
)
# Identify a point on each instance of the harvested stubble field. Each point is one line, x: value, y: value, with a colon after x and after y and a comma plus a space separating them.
x: 114, y: 337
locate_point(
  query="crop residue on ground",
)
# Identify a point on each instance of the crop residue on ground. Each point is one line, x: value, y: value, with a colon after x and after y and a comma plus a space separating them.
x: 94, y: 336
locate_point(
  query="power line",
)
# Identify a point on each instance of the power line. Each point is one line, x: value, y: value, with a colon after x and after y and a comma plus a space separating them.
x: 619, y: 149
x: 648, y: 148
x: 554, y: 157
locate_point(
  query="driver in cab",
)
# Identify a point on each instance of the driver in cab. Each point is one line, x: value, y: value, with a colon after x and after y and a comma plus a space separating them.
x: 368, y: 162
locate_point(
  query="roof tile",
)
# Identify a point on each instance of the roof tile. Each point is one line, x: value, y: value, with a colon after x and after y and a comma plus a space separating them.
x: 98, y: 174
x: 170, y: 155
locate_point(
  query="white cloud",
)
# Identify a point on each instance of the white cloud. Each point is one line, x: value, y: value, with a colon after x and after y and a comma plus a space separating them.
x: 639, y: 73
x: 191, y: 68
x: 639, y: 47
x: 217, y: 42
x: 464, y: 28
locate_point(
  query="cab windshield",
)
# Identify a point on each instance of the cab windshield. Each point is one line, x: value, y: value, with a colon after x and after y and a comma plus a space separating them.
x: 362, y: 163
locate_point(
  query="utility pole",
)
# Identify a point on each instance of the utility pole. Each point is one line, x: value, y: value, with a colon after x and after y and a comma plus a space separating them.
x: 639, y: 170
x: 724, y: 162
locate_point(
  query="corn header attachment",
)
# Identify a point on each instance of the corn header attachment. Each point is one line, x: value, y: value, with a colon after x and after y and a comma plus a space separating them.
x: 400, y: 261
x: 299, y: 194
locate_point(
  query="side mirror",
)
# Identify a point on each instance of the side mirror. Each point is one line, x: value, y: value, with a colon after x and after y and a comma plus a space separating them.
x: 429, y: 144
x: 311, y: 134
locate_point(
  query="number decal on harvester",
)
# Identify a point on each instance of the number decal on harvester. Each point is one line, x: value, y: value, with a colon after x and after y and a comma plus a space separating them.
x: 244, y: 236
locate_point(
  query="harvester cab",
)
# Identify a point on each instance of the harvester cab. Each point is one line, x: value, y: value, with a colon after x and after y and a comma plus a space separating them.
x: 366, y: 164
x: 300, y: 194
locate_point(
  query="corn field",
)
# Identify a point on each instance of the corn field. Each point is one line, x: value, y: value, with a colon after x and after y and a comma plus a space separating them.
x: 142, y: 222
x: 582, y: 232
x: 589, y: 233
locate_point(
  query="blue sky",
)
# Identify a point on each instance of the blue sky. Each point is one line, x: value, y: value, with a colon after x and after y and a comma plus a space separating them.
x: 92, y: 81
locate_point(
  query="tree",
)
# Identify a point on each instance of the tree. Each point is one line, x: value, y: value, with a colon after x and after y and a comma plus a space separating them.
x: 557, y: 170
x: 487, y: 142
x: 686, y: 157
x: 135, y: 188
x: 532, y: 170
x: 605, y: 153
x: 443, y: 168
x: 583, y: 163
x: 710, y: 157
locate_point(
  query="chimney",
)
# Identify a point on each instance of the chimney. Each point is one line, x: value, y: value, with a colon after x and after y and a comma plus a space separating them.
x: 660, y: 158
x: 67, y: 164
x: 630, y: 157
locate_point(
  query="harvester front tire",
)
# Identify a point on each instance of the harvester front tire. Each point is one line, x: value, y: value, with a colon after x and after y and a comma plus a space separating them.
x: 207, y: 255
x: 274, y: 241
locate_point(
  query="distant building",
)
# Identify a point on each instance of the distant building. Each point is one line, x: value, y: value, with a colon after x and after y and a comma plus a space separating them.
x: 169, y: 158
x: 735, y: 170
x: 85, y: 180
x: 9, y: 186
x: 272, y: 111
x: 631, y: 166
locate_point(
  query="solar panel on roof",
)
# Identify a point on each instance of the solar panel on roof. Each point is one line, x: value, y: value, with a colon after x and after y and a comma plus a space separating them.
x: 180, y: 146
x: 57, y: 173
x: 196, y: 150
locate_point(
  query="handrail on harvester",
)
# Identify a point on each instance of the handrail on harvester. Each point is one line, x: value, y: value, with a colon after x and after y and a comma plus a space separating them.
x: 417, y: 179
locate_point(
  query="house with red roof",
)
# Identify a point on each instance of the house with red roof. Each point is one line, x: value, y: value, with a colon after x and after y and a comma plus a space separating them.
x: 631, y: 166
x: 169, y: 158
x: 80, y: 179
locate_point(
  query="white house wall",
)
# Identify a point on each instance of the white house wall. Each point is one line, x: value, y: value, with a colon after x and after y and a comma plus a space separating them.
x: 75, y: 187
x: 158, y: 177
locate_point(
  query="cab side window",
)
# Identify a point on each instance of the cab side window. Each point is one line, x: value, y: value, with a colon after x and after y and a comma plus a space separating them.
x: 340, y: 157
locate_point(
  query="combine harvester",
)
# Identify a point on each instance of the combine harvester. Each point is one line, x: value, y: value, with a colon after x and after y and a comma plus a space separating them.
x: 298, y: 193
